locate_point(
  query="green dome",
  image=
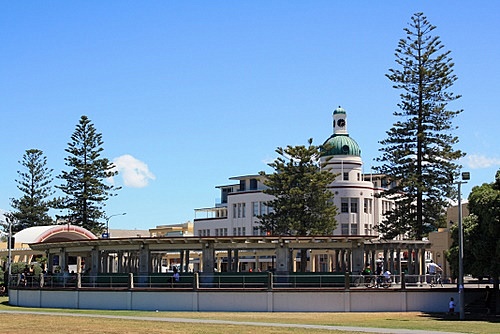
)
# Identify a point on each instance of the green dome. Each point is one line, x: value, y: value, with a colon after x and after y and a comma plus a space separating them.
x: 340, y: 145
x: 339, y: 110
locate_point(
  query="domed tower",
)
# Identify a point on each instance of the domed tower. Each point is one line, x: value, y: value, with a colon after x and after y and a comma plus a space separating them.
x: 354, y: 197
x: 340, y: 152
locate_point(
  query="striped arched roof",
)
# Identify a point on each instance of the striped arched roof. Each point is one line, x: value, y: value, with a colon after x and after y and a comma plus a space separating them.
x: 53, y: 233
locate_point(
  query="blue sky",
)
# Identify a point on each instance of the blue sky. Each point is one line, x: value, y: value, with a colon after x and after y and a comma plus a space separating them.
x: 189, y: 94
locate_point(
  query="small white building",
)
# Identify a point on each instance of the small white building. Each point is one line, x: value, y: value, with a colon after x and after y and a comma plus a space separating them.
x: 359, y: 209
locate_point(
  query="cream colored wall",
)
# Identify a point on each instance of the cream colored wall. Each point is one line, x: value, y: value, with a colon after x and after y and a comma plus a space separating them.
x: 441, y: 240
x: 241, y: 301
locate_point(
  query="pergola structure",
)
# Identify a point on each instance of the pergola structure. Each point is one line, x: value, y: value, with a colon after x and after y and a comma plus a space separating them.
x: 235, y: 253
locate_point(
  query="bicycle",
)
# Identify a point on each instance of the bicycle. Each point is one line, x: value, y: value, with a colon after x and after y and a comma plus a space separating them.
x: 435, y: 280
x: 383, y: 282
x: 370, y: 281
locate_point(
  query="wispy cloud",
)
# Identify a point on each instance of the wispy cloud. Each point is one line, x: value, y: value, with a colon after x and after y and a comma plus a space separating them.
x: 268, y: 160
x: 135, y: 173
x: 476, y: 161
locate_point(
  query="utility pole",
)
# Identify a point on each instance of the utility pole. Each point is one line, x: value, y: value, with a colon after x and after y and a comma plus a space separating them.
x: 461, y: 290
x: 10, y: 247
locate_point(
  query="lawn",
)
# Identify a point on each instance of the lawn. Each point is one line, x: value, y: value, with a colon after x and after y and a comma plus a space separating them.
x: 93, y: 322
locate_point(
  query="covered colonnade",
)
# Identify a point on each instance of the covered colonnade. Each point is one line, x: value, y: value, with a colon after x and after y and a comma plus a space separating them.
x: 233, y: 254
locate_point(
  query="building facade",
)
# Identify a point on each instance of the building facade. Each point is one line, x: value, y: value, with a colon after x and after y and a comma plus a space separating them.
x: 359, y: 208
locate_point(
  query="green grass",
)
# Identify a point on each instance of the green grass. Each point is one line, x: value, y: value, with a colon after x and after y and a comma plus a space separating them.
x: 408, y: 320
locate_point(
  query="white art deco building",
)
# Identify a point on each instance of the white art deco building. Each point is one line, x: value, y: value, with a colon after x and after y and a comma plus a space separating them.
x: 359, y: 209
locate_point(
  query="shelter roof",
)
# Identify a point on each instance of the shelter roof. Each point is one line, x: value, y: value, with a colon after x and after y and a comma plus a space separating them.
x: 53, y: 233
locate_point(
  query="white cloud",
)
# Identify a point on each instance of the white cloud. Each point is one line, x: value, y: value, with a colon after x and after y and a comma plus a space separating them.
x: 476, y: 161
x: 134, y: 172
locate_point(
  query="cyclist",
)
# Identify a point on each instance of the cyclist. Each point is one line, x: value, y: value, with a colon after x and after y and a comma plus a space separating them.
x: 387, y: 277
x: 367, y: 276
x: 433, y: 269
x: 384, y: 280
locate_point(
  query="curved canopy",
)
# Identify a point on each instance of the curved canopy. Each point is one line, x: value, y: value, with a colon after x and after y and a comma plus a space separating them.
x: 53, y: 233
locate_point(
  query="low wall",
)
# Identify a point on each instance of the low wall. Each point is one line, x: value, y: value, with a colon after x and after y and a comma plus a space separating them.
x: 376, y: 300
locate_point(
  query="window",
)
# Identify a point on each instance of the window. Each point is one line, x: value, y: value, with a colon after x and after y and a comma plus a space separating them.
x: 225, y: 232
x: 244, y: 231
x: 367, y: 208
x: 354, y: 205
x: 359, y: 176
x: 367, y: 229
x: 253, y: 184
x: 263, y: 208
x: 239, y: 210
x: 344, y: 205
x: 255, y: 209
x: 239, y: 230
x: 386, y: 207
x: 255, y: 230
x: 346, y: 176
x: 234, y: 230
x: 225, y: 191
x: 345, y: 229
x: 354, y: 229
x: 242, y: 185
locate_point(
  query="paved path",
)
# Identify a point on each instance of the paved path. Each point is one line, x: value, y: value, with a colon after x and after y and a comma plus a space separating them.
x: 243, y: 323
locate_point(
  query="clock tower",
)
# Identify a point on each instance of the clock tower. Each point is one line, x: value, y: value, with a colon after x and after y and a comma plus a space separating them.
x: 339, y: 121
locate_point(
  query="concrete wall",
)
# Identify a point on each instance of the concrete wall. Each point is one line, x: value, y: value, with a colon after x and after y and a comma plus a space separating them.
x: 241, y: 301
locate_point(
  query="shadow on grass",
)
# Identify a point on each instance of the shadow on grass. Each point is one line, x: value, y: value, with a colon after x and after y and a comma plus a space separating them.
x: 491, y: 318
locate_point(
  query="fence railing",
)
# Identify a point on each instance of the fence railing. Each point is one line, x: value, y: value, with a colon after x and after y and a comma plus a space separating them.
x: 225, y: 280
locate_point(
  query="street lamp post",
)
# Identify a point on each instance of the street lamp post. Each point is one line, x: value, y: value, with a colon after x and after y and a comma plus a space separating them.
x: 9, y: 261
x: 461, y: 290
x: 107, y: 222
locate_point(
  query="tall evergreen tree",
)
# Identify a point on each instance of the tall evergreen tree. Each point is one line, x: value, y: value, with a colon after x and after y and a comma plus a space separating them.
x: 302, y: 203
x: 85, y: 187
x: 418, y: 153
x: 32, y: 208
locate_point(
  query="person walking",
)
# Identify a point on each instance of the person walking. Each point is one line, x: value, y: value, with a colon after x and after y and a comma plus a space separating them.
x: 451, y: 306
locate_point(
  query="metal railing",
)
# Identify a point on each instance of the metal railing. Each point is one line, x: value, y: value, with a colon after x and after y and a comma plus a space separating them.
x: 310, y: 280
x: 264, y: 280
x: 232, y: 280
